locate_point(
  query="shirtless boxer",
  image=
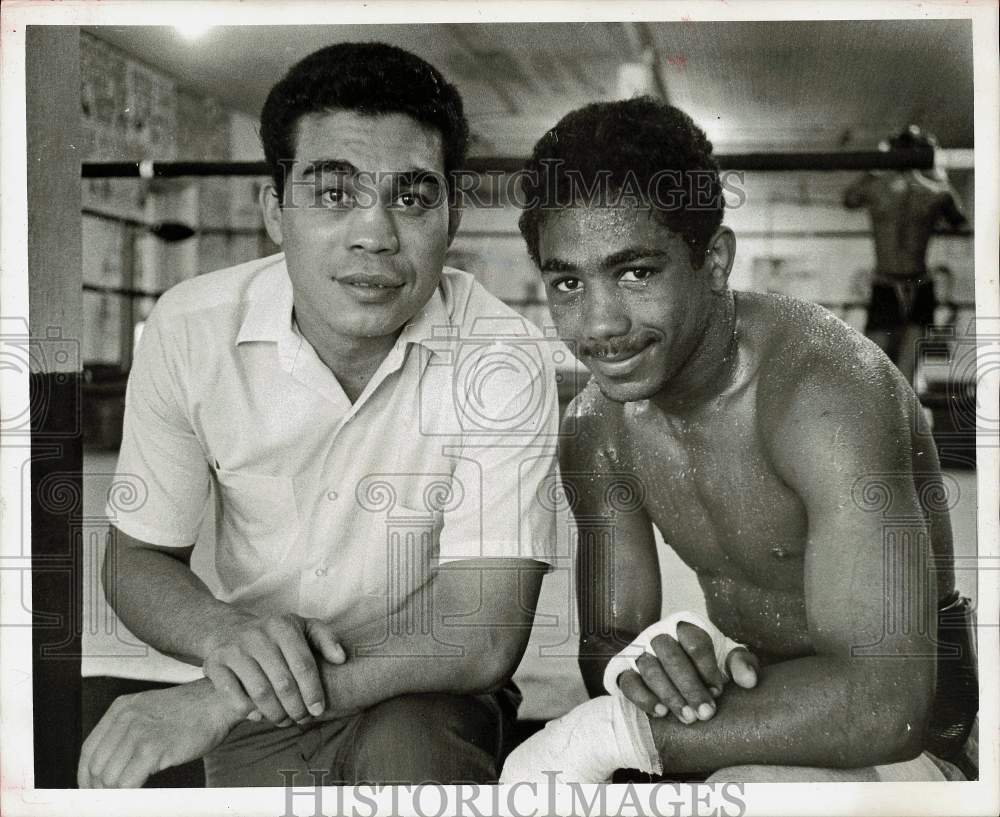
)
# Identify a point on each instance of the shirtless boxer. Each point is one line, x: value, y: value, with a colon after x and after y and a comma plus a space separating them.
x: 904, y: 206
x: 754, y: 432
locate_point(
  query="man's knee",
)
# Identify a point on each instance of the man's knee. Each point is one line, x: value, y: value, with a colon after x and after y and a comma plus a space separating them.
x: 428, y: 737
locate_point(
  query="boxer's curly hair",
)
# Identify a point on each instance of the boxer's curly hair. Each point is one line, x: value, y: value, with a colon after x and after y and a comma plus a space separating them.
x: 369, y: 79
x: 616, y: 149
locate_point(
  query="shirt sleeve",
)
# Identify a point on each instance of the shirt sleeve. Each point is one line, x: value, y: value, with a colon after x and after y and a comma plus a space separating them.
x: 162, y: 480
x: 505, y: 472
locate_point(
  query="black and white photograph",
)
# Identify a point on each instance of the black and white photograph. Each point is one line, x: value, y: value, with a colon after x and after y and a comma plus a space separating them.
x: 505, y: 408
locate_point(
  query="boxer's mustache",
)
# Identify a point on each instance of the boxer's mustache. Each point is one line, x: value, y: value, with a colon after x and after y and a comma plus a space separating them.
x: 612, y: 347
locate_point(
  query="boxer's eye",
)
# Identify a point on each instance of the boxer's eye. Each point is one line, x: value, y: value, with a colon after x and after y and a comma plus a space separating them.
x: 637, y: 275
x: 567, y: 285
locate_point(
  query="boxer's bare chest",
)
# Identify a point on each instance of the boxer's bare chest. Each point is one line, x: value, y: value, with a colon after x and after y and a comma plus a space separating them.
x: 714, y: 495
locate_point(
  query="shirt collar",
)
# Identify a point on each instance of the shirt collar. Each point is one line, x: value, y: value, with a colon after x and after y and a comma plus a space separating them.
x: 269, y: 312
x: 432, y: 324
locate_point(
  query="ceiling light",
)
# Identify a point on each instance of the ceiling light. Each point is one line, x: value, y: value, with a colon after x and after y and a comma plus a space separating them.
x: 192, y: 30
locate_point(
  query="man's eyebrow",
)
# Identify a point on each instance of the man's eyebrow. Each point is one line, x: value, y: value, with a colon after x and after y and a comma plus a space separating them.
x: 342, y: 167
x: 412, y: 178
x: 338, y: 166
x: 613, y: 260
x: 558, y: 265
x: 632, y: 254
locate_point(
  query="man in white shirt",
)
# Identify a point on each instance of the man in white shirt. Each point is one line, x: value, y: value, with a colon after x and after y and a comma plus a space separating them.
x: 376, y: 431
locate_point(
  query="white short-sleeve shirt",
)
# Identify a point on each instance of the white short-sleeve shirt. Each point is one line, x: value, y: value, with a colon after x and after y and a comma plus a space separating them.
x: 324, y: 508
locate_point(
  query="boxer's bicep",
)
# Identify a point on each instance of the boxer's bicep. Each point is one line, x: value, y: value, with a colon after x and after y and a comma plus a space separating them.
x: 845, y: 578
x: 845, y: 451
x: 868, y: 596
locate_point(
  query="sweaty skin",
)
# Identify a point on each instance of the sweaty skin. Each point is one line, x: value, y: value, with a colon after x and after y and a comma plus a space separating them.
x: 757, y: 433
x: 712, y: 489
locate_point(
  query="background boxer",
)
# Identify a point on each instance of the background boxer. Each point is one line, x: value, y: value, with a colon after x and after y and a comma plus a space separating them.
x: 904, y: 207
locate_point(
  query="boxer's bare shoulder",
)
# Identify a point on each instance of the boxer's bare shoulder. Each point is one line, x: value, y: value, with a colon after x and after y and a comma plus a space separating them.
x: 593, y: 433
x: 811, y: 358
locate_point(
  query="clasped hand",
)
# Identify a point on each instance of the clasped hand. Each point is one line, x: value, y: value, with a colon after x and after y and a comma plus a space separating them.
x: 684, y: 674
x: 150, y: 731
x: 267, y: 664
x: 260, y: 667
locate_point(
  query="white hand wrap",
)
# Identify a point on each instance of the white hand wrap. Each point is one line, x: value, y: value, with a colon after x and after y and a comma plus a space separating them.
x: 586, y: 745
x: 625, y: 660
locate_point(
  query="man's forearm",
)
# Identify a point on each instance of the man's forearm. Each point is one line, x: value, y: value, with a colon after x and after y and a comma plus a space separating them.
x: 464, y: 633
x: 164, y: 603
x: 382, y: 664
x: 461, y: 644
x: 396, y: 666
x: 814, y: 711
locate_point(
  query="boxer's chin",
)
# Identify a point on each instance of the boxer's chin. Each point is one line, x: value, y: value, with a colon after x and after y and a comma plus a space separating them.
x: 628, y: 391
x: 624, y: 377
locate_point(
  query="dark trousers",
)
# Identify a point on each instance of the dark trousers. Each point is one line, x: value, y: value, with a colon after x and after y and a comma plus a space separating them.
x: 410, y: 739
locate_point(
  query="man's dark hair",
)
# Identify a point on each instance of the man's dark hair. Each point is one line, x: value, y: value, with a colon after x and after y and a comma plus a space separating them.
x: 369, y: 79
x: 636, y: 146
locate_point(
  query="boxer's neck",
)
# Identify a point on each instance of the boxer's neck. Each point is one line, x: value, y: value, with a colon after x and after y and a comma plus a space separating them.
x: 710, y: 369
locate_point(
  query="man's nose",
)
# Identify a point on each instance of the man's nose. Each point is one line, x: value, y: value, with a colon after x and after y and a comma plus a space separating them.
x: 606, y: 316
x: 373, y: 230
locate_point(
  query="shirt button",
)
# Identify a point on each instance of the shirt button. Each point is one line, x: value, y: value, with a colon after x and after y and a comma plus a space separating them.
x: 320, y: 572
x: 331, y: 495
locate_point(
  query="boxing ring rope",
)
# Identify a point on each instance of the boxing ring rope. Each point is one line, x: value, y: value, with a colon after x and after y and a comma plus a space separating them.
x: 920, y: 159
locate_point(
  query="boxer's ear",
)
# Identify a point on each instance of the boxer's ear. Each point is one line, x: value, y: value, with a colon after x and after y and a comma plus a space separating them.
x: 719, y: 259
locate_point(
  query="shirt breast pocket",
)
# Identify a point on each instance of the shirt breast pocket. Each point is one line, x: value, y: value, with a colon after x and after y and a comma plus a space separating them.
x: 258, y: 518
x: 400, y: 560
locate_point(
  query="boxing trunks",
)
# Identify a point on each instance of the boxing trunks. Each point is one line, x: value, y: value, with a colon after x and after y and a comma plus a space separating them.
x: 896, y: 302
